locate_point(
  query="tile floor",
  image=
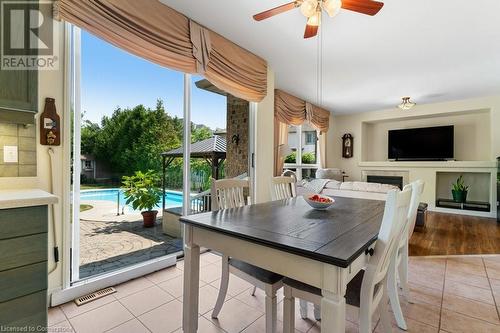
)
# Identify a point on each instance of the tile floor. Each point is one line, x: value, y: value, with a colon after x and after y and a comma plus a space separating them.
x: 451, y: 294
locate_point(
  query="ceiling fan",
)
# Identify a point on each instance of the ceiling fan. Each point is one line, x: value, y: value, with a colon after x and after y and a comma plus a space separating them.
x: 311, y: 9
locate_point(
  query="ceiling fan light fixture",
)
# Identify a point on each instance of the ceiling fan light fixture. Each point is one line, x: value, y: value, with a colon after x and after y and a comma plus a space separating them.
x: 332, y: 7
x: 314, y: 20
x: 308, y: 8
x: 406, y: 104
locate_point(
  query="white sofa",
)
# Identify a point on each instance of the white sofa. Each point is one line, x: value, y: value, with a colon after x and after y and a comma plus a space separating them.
x: 362, y: 190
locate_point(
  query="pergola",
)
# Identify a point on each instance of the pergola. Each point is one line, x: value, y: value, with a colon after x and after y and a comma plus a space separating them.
x: 213, y: 150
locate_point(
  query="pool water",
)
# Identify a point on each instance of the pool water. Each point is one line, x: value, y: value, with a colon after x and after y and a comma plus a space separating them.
x: 172, y: 198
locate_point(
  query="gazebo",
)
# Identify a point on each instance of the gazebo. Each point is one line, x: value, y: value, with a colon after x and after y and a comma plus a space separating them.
x: 213, y: 150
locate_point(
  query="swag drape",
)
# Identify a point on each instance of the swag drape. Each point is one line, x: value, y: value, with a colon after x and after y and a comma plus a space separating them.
x: 291, y: 110
x: 158, y: 33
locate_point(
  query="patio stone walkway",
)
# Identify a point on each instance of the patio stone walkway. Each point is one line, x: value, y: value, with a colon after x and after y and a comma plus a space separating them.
x: 109, y: 242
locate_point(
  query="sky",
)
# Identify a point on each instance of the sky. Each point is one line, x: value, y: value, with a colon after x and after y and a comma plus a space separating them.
x: 113, y: 78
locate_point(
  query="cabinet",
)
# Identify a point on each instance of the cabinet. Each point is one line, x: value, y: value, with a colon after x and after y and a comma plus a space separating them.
x: 23, y: 267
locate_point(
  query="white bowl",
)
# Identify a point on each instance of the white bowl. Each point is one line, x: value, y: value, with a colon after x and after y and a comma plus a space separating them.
x: 316, y: 204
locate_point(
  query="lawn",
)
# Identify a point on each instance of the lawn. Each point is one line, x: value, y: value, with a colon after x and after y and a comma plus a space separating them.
x: 96, y: 186
x: 85, y: 207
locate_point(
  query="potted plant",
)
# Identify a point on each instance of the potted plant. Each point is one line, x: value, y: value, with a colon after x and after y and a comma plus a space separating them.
x: 141, y: 191
x: 459, y: 190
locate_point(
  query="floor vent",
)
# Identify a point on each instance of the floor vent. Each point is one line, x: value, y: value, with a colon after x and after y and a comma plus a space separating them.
x: 95, y: 295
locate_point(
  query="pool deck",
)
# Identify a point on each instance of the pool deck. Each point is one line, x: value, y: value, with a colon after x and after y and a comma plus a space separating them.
x: 109, y: 242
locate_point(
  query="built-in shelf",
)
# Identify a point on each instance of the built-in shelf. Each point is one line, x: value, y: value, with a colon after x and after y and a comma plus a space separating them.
x: 478, y: 206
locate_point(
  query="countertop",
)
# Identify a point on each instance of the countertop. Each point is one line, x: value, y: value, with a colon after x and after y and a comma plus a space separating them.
x: 25, y: 198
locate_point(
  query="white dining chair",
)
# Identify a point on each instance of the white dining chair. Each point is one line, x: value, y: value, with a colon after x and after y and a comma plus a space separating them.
x: 399, y: 264
x: 368, y: 289
x: 227, y: 194
x: 283, y: 187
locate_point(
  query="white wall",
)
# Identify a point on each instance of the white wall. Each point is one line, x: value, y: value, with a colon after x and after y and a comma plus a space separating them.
x: 487, y: 141
x: 50, y: 84
x: 264, y: 143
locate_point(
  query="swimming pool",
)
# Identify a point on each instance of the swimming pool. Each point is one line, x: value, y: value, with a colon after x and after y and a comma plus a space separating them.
x: 173, y: 198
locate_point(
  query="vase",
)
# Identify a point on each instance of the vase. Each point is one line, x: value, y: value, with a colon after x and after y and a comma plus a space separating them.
x: 459, y: 196
x: 149, y: 218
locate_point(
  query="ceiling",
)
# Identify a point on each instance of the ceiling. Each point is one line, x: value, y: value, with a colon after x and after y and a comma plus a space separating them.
x: 430, y: 50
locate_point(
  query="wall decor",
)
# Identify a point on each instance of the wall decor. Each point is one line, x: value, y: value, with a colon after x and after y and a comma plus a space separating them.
x: 50, y: 124
x: 347, y: 145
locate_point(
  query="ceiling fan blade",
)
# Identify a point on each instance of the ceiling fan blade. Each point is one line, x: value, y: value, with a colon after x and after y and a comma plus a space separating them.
x: 275, y: 11
x: 311, y: 31
x: 368, y: 7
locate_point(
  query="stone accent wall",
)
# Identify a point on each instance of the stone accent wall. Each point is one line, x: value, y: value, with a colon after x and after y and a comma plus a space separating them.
x: 237, y: 124
x: 24, y: 137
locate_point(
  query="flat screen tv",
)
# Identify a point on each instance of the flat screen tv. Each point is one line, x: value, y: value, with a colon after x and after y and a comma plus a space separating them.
x: 422, y: 144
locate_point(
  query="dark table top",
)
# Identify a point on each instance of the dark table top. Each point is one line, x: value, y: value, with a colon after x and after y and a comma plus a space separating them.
x: 337, y: 235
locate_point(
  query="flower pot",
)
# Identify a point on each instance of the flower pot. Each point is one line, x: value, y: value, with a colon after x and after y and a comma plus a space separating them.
x: 149, y: 218
x: 459, y: 196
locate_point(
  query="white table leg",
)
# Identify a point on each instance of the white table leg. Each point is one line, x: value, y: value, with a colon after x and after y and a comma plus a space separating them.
x: 191, y: 283
x: 332, y: 313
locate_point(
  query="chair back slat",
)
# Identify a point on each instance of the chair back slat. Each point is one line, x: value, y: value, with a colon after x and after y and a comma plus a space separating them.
x: 228, y: 193
x: 283, y: 187
x: 395, y: 216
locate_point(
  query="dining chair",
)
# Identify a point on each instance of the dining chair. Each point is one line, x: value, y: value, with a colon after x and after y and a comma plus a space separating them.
x: 367, y: 290
x: 226, y: 194
x: 283, y: 187
x: 399, y: 263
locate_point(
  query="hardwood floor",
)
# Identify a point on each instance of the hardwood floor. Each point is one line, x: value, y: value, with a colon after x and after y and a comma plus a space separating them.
x: 448, y: 234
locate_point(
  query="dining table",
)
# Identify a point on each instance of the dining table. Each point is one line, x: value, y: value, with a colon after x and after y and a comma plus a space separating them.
x: 323, y: 248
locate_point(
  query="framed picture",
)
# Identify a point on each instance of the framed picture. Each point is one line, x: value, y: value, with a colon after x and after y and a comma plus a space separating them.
x: 347, y: 145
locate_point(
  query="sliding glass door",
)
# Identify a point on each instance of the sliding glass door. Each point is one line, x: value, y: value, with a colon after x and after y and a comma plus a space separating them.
x: 134, y: 122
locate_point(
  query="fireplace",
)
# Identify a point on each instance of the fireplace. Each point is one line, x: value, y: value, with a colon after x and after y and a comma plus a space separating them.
x: 390, y: 180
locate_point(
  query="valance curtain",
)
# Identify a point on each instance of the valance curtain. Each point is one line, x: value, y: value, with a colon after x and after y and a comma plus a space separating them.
x: 158, y: 33
x: 291, y: 110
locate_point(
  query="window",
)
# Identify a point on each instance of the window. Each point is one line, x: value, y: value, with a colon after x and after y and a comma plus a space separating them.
x: 87, y: 164
x: 302, y: 157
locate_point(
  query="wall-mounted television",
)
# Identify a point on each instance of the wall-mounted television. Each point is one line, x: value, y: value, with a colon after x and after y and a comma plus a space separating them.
x: 422, y: 144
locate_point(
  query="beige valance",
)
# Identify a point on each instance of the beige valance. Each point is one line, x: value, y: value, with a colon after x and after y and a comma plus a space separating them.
x: 158, y: 33
x: 292, y: 110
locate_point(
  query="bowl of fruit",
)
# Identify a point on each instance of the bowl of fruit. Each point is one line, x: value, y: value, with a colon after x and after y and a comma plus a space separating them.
x: 317, y: 201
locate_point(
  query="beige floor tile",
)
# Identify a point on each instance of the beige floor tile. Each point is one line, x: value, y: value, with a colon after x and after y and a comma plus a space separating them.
x: 428, y: 265
x: 164, y: 275
x: 207, y: 298
x: 259, y: 326
x: 349, y: 327
x: 422, y: 294
x: 209, y: 258
x: 180, y: 265
x: 55, y: 315
x: 471, y: 308
x: 470, y: 279
x: 146, y: 300
x: 457, y: 323
x: 61, y: 327
x: 164, y: 319
x: 422, y: 312
x: 235, y: 316
x: 413, y: 327
x: 467, y: 291
x: 257, y: 301
x: 71, y: 310
x: 205, y: 326
x: 236, y: 285
x: 431, y: 280
x: 132, y: 326
x: 301, y: 325
x: 465, y: 268
x: 101, y: 319
x: 174, y: 286
x: 468, y: 260
x: 210, y: 272
x: 493, y: 271
x: 132, y: 286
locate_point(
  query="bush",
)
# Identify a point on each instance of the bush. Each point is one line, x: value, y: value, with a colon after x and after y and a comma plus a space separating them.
x: 142, y: 190
x: 307, y: 158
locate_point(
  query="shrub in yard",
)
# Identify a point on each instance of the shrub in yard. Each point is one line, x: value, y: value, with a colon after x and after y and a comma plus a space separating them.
x: 141, y: 190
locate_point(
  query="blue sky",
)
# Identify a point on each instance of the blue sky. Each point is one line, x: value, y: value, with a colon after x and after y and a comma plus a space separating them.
x: 113, y: 78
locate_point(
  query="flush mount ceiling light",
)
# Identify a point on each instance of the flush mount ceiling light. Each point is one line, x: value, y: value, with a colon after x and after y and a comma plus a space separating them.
x: 312, y: 9
x: 406, y: 104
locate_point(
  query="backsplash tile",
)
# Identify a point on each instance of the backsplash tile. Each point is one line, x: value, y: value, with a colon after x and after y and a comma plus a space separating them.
x: 24, y: 137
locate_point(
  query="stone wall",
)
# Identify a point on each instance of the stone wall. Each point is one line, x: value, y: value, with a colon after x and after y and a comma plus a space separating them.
x: 237, y: 125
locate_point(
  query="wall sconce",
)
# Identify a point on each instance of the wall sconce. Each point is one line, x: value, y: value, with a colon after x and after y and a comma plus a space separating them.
x: 235, y: 139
